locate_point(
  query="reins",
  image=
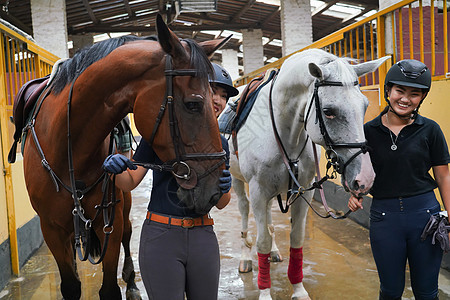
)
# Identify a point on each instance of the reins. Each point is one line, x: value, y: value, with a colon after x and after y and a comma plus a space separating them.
x: 296, y: 190
x: 82, y: 236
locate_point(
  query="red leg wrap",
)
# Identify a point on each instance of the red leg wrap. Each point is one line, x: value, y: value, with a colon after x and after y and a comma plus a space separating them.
x: 263, y: 271
x: 295, y: 269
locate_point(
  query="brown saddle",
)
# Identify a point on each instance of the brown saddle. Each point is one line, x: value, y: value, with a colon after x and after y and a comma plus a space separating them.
x: 23, y: 105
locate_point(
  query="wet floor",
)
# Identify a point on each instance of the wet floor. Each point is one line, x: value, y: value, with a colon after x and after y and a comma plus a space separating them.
x: 337, y: 261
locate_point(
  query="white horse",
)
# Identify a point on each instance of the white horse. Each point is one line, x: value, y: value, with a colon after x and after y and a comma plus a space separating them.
x: 308, y: 82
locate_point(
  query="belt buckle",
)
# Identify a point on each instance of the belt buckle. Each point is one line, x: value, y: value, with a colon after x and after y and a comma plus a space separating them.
x: 190, y: 222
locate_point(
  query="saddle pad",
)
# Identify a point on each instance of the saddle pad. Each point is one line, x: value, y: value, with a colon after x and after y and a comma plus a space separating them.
x: 245, y: 106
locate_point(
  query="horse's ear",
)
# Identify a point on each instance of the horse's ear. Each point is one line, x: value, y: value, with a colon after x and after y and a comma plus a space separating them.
x: 211, y: 46
x: 315, y: 71
x: 369, y: 66
x: 169, y: 41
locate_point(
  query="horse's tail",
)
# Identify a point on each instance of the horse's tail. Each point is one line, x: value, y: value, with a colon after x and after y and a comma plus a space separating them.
x: 95, y: 245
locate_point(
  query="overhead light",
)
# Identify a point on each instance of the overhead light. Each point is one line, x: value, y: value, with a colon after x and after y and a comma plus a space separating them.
x: 198, y: 5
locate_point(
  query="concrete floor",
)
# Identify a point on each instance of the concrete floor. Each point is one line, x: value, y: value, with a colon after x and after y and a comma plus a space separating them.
x: 337, y: 261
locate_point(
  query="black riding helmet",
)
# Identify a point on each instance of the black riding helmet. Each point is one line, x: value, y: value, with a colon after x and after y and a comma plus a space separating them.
x: 408, y: 72
x: 223, y: 79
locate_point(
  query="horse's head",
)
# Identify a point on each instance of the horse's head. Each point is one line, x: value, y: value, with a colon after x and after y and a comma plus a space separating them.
x: 335, y: 118
x: 177, y: 118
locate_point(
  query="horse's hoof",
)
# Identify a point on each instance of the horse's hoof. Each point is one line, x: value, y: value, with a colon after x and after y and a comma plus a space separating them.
x: 133, y: 294
x: 245, y: 266
x: 275, y: 256
x: 301, y: 298
x: 264, y: 294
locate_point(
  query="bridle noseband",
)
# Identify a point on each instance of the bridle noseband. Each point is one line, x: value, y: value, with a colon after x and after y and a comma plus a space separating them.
x: 332, y: 157
x: 179, y: 168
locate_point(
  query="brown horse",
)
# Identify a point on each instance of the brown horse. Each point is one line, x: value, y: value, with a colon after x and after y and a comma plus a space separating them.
x: 157, y: 80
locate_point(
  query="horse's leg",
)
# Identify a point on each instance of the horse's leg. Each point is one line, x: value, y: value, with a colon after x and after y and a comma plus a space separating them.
x: 299, y: 210
x: 275, y: 255
x: 128, y: 273
x: 59, y: 242
x: 110, y: 290
x: 245, y: 263
x: 263, y: 244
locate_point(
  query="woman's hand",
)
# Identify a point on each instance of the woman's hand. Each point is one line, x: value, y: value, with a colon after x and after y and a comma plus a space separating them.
x: 355, y: 203
x: 117, y: 163
x: 225, y: 182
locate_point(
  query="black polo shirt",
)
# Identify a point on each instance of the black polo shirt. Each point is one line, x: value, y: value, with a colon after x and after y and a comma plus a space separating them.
x: 404, y: 172
x: 164, y: 197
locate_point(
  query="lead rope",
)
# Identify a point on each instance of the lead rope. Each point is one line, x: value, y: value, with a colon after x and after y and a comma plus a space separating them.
x: 322, y: 193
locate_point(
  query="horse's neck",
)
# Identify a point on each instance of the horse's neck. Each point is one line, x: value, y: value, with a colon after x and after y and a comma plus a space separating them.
x: 289, y: 101
x: 91, y: 121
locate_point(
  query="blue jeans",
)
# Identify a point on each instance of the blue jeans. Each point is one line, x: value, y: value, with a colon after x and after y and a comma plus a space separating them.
x: 395, y: 228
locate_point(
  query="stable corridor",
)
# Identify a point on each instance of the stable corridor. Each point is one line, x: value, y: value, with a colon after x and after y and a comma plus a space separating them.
x: 337, y: 261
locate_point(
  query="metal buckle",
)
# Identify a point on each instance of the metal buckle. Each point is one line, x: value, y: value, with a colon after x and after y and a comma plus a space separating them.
x: 190, y: 222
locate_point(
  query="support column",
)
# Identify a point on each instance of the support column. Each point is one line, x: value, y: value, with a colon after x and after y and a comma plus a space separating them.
x: 80, y: 42
x: 389, y: 39
x: 386, y: 3
x: 296, y: 25
x: 50, y: 25
x: 230, y: 62
x: 253, y: 49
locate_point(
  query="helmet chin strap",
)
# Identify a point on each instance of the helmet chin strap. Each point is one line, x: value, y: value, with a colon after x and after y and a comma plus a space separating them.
x: 412, y: 116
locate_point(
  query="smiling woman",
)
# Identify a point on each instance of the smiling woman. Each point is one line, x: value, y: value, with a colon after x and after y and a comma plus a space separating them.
x: 404, y: 146
x: 222, y: 87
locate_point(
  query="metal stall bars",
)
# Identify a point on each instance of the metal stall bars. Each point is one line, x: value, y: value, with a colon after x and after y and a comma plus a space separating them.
x: 407, y: 29
x: 21, y: 60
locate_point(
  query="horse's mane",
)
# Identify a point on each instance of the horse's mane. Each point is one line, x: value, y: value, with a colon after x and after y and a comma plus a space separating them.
x: 346, y: 73
x: 199, y: 60
x: 72, y: 68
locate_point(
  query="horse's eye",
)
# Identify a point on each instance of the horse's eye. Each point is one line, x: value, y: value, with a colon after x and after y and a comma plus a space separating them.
x: 194, y: 106
x: 329, y: 113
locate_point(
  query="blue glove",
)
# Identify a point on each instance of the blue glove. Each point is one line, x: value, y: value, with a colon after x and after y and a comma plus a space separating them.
x: 117, y: 163
x: 225, y: 182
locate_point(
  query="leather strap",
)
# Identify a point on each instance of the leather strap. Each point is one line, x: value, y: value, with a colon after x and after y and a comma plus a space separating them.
x: 183, y: 222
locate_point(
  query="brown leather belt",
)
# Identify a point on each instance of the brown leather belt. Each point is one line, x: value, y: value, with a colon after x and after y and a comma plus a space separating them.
x: 185, y: 222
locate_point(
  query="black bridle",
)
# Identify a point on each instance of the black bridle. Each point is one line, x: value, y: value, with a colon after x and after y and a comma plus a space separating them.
x: 332, y: 156
x: 334, y: 160
x: 178, y: 166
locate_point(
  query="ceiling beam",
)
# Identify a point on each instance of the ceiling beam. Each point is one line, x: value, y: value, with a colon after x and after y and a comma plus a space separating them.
x: 105, y: 28
x: 90, y: 11
x: 243, y: 10
x: 128, y: 8
x: 344, y: 22
x: 320, y: 9
x: 13, y: 20
x: 271, y: 16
